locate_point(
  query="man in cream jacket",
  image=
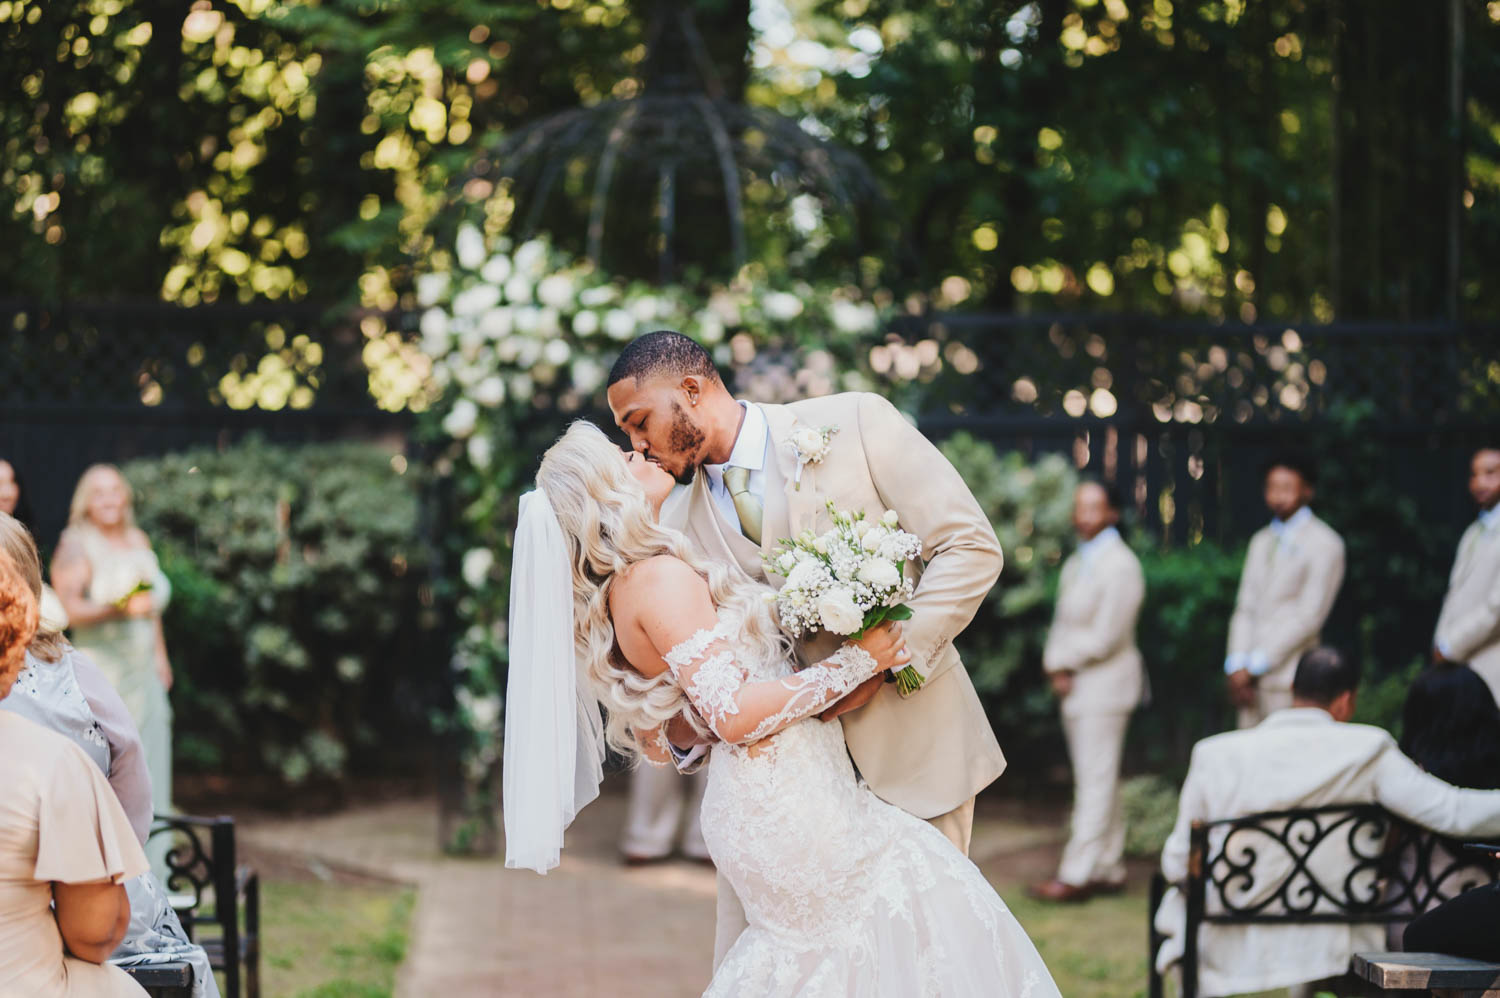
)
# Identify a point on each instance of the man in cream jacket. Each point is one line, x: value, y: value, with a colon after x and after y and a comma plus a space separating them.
x: 752, y: 475
x: 1291, y: 578
x: 1305, y: 756
x: 1468, y: 628
x: 1096, y: 671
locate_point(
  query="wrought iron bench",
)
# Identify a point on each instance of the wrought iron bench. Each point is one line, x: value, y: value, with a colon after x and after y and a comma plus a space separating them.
x: 1393, y: 871
x: 202, y: 862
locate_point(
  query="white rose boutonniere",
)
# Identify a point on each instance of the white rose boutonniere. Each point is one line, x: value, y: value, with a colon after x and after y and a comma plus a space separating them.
x: 812, y: 446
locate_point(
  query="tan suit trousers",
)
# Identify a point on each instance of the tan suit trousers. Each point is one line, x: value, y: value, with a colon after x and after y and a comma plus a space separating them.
x: 1267, y: 702
x: 957, y: 825
x: 1095, y: 852
x: 660, y: 800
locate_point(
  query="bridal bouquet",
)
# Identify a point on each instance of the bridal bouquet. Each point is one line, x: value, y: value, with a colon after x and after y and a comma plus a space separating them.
x: 847, y: 579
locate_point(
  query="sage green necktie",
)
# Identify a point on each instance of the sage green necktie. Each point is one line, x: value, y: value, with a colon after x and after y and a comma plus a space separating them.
x: 737, y: 481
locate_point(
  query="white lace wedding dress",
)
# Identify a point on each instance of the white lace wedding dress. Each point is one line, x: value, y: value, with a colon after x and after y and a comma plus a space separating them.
x: 845, y: 894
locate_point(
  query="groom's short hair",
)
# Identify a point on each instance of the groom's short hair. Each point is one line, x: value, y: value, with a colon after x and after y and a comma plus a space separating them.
x: 662, y: 352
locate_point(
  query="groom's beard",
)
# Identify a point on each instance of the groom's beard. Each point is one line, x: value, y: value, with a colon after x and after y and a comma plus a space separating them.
x: 685, y: 438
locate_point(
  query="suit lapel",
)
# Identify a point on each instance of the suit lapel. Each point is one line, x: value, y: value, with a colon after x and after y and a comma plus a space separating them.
x: 722, y: 536
x: 787, y: 508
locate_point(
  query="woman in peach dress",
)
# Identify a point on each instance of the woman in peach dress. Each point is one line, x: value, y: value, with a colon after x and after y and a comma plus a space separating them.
x: 66, y: 846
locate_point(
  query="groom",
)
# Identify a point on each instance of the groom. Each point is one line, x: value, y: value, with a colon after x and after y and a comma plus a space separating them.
x: 751, y: 475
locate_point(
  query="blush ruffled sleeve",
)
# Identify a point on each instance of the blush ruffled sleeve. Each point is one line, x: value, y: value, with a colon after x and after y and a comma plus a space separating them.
x: 83, y: 835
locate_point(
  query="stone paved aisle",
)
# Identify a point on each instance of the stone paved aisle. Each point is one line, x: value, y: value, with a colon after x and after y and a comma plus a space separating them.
x: 591, y: 927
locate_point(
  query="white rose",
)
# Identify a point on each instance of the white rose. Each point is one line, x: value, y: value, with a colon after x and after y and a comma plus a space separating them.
x: 890, y: 519
x: 871, y: 541
x: 470, y: 247
x: 619, y: 324
x: 434, y: 327
x: 786, y: 562
x: 586, y: 323
x: 477, y: 565
x: 556, y: 290
x: 518, y: 290
x: 461, y: 419
x: 879, y: 573
x: 531, y: 257
x: 497, y: 269
x: 644, y: 308
x: 548, y: 322
x: 432, y: 288
x: 556, y: 352
x: 809, y: 443
x: 527, y: 318
x: 839, y: 614
x: 473, y: 301
x: 804, y: 573
x: 604, y: 294
x: 820, y: 545
x: 489, y: 392
x: 782, y: 306
x: 587, y: 375
x: 862, y: 527
x: 496, y: 323
x: 480, y: 451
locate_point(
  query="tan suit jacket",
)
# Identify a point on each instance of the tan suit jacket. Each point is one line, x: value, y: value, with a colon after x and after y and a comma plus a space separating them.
x: 1299, y: 757
x: 1286, y: 591
x: 929, y: 754
x: 1469, y: 625
x: 1093, y: 630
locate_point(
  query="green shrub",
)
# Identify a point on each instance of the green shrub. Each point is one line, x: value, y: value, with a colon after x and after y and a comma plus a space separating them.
x: 295, y: 629
x: 1150, y: 805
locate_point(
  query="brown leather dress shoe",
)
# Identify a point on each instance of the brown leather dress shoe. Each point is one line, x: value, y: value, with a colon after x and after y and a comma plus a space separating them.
x: 1058, y: 892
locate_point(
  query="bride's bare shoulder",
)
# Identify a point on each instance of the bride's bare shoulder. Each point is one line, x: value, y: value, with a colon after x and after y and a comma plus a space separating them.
x: 664, y: 578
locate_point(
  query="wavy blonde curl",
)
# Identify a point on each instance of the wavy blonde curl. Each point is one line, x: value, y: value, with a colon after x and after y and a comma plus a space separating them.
x: 609, y: 527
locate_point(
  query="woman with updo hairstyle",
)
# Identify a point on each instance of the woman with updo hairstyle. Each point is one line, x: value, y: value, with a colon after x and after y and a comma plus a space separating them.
x: 66, y: 846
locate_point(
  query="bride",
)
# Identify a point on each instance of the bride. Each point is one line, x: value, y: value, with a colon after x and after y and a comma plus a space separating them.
x: 845, y: 894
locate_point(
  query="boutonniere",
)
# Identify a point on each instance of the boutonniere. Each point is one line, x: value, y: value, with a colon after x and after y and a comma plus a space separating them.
x: 812, y: 446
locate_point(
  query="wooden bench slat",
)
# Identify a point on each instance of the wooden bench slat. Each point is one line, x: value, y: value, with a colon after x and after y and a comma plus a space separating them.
x: 1425, y: 971
x: 162, y: 975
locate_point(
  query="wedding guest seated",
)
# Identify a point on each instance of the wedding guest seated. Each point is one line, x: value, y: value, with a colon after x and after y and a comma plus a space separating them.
x: 61, y: 689
x: 1468, y: 925
x: 1303, y: 756
x: 66, y: 847
x: 1450, y: 726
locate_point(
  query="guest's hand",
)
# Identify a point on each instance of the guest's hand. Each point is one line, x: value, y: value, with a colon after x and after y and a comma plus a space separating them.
x: 857, y: 698
x: 139, y: 605
x: 1242, y: 688
x: 1062, y: 683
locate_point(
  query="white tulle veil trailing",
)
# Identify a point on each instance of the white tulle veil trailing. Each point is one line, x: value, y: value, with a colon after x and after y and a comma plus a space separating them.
x: 554, y: 732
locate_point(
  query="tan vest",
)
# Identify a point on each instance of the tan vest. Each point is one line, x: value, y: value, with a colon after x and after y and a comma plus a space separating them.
x: 930, y: 752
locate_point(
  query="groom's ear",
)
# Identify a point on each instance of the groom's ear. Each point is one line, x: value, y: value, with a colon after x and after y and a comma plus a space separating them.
x: 692, y: 387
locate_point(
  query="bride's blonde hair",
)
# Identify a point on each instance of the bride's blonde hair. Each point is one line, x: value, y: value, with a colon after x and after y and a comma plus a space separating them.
x: 609, y: 527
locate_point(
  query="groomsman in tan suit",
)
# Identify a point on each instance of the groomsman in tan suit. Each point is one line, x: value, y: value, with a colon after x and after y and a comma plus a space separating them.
x: 1468, y: 628
x: 1291, y: 577
x: 752, y: 474
x: 1096, y: 672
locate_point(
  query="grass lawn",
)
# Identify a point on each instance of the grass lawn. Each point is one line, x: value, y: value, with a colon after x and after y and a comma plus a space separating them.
x: 332, y: 940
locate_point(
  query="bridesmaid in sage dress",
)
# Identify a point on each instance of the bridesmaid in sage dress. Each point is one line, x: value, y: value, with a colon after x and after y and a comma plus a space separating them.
x: 114, y: 593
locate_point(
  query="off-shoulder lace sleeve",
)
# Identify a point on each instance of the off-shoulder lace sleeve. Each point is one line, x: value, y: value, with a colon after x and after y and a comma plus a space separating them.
x: 741, y: 712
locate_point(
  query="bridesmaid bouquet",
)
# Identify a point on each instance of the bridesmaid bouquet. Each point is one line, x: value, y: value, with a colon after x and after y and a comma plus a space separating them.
x: 847, y: 579
x: 116, y: 588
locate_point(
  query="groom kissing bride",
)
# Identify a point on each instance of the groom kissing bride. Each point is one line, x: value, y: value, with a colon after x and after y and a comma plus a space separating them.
x: 830, y: 880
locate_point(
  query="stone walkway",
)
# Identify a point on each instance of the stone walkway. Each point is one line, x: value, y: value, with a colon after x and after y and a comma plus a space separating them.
x: 590, y: 927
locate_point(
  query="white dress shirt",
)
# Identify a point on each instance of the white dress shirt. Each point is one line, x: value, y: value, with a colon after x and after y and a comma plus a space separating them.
x: 750, y: 448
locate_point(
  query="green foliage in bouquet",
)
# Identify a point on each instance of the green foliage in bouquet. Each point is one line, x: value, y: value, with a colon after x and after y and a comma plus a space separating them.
x: 295, y: 627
